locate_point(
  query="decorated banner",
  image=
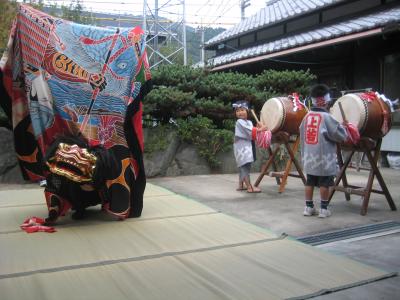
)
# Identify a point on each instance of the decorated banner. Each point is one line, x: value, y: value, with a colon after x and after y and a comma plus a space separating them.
x: 85, y: 82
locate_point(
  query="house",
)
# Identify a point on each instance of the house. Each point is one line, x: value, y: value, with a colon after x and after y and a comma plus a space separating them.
x: 348, y: 44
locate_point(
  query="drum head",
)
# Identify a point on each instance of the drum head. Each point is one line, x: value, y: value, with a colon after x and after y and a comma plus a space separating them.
x: 272, y: 114
x: 354, y: 110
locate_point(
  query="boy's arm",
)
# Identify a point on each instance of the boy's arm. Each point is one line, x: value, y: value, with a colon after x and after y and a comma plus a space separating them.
x: 335, y: 132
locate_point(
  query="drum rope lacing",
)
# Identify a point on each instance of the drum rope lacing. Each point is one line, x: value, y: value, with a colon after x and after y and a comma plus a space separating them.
x: 297, y: 105
x: 283, y: 121
x: 372, y: 96
x: 364, y: 101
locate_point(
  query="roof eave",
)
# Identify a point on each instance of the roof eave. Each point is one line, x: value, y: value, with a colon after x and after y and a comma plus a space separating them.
x: 337, y: 40
x: 274, y: 23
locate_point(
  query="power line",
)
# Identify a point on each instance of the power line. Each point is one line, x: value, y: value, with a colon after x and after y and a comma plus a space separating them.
x: 208, y: 1
x: 120, y: 3
x: 213, y: 22
x: 174, y: 13
x: 219, y: 10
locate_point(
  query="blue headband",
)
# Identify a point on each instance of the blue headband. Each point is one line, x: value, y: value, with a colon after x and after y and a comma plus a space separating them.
x: 240, y: 104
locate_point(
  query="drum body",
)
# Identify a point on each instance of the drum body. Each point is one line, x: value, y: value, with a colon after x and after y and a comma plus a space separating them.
x: 279, y: 114
x: 370, y: 114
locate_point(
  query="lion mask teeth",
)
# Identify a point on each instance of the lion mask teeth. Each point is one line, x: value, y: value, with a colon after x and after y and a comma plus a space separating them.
x: 73, y: 162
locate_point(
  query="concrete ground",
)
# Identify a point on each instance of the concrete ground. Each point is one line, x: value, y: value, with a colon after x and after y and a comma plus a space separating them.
x: 282, y: 212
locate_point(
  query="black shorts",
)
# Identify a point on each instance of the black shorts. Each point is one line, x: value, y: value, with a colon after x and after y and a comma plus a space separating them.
x: 324, y: 181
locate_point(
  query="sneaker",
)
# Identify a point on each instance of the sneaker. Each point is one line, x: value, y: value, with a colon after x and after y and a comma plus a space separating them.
x: 43, y: 183
x: 324, y: 213
x: 309, y: 211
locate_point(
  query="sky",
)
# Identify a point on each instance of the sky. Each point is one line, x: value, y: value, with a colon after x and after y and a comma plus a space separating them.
x: 212, y: 13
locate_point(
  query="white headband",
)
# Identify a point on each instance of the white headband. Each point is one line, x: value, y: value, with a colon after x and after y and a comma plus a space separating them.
x: 326, y: 98
x: 241, y: 104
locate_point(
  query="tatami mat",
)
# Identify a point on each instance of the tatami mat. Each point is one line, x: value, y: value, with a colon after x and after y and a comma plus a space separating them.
x: 179, y: 249
x: 158, y: 203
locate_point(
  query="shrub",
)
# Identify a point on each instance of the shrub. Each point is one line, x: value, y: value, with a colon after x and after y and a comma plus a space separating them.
x: 228, y: 87
x: 209, y: 140
x: 157, y: 140
x: 202, y: 101
x: 285, y: 82
x: 178, y: 76
x: 164, y: 103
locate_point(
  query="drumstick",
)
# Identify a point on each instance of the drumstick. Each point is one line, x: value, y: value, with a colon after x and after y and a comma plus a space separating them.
x: 254, y: 115
x: 342, y: 112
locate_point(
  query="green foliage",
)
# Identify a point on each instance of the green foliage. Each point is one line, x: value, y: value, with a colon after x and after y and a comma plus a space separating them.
x: 228, y: 87
x: 165, y: 103
x: 8, y: 10
x: 261, y: 96
x: 209, y: 140
x: 214, y: 109
x: 74, y: 12
x: 157, y: 140
x: 285, y: 82
x: 178, y: 76
x: 38, y: 4
x: 228, y: 124
x: 201, y: 102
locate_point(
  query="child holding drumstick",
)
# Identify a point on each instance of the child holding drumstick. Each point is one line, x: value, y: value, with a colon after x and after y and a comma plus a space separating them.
x: 319, y: 133
x: 245, y: 133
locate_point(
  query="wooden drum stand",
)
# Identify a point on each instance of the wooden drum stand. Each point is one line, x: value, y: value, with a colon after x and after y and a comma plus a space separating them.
x: 282, y: 138
x: 366, y: 146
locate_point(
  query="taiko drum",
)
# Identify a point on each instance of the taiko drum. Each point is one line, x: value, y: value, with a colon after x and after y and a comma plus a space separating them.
x: 369, y: 113
x: 280, y: 114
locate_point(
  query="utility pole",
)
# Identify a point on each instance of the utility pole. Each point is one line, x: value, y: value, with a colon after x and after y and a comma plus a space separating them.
x: 202, y: 29
x: 243, y: 5
x: 144, y: 26
x: 184, y: 34
x: 203, y: 58
x: 156, y: 22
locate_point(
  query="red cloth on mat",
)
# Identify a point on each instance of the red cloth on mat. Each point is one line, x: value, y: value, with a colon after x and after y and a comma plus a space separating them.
x: 35, y: 224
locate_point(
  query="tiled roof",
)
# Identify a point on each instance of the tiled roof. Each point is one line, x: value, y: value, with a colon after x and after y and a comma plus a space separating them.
x: 360, y: 24
x: 275, y: 12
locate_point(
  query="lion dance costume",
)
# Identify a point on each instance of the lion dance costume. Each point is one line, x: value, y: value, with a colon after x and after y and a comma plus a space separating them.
x: 75, y: 100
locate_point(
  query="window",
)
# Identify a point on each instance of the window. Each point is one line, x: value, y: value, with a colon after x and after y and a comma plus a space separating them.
x: 348, y: 9
x: 247, y: 39
x: 302, y: 23
x: 269, y: 33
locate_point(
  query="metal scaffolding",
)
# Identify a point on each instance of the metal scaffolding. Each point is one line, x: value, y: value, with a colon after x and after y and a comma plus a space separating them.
x: 163, y: 43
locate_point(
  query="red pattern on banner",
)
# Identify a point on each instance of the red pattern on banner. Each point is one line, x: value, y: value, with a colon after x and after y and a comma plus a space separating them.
x: 137, y: 124
x: 135, y: 167
x: 89, y: 41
